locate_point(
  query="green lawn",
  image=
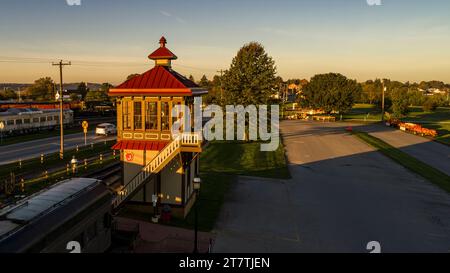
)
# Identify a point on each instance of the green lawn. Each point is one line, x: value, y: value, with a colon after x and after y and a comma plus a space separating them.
x: 220, y: 163
x: 426, y: 171
x: 368, y: 112
x: 244, y: 158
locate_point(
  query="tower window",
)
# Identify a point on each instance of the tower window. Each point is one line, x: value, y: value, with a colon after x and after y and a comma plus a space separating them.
x: 127, y: 115
x: 165, y: 116
x: 151, y: 116
x: 138, y: 115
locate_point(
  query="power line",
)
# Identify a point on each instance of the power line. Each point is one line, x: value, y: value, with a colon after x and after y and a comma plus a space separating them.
x: 36, y: 60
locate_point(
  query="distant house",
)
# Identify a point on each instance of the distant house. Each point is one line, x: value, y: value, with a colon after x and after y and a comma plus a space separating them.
x: 436, y: 91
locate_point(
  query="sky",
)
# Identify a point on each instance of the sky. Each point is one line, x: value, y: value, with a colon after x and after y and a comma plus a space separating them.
x: 106, y: 40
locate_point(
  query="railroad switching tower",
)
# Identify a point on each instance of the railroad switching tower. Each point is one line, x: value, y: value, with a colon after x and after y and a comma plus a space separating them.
x: 158, y: 166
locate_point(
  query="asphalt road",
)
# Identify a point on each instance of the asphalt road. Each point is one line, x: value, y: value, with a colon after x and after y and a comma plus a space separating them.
x: 31, y: 149
x: 433, y: 153
x: 342, y: 196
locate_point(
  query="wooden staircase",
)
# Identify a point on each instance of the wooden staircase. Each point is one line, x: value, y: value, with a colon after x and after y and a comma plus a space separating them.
x: 183, y: 142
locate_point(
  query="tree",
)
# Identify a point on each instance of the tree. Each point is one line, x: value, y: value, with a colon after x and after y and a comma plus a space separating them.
x: 132, y: 76
x: 74, y: 97
x: 214, y: 91
x: 82, y: 89
x: 204, y: 82
x: 430, y: 105
x: 191, y: 78
x: 331, y: 92
x: 375, y: 89
x: 96, y: 96
x: 400, y: 102
x: 42, y: 90
x: 251, y: 78
x: 8, y: 94
x: 416, y: 98
x: 105, y: 87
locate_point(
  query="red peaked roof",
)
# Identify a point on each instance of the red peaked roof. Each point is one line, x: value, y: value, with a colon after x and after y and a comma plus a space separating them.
x: 162, y: 52
x: 159, y: 77
x: 160, y: 80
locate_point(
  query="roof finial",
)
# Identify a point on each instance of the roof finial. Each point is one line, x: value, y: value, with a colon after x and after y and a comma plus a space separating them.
x: 162, y: 42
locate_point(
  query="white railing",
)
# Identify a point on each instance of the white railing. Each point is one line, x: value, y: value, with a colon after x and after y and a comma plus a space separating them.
x: 162, y: 157
x: 190, y: 139
x: 166, y: 154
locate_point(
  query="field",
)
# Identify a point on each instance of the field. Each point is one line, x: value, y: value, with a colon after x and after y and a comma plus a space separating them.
x: 220, y: 163
x: 364, y: 112
x: 244, y: 158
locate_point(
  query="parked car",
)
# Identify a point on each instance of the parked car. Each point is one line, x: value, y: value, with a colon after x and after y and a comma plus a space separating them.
x: 105, y: 129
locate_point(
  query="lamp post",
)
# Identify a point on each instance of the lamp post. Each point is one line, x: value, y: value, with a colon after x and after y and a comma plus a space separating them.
x: 197, y: 183
x: 383, y: 101
x: 74, y: 163
x: 2, y: 127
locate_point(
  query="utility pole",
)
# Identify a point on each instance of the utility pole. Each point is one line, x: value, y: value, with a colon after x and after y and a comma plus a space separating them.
x: 382, y: 100
x: 61, y: 64
x: 221, y: 71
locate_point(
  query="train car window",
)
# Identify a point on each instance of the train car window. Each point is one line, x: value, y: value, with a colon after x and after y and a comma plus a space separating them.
x: 42, y: 119
x: 18, y: 121
x: 10, y: 122
x: 26, y: 121
x: 56, y: 117
x: 35, y: 120
x: 49, y: 118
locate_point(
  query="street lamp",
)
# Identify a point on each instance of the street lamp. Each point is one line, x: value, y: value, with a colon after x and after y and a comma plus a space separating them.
x: 197, y: 183
x: 74, y: 163
x: 2, y: 127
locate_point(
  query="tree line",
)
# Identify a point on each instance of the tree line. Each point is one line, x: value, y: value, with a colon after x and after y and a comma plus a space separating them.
x: 44, y: 90
x: 252, y: 79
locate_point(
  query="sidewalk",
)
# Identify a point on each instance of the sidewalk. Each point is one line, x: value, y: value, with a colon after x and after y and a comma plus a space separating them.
x: 165, y: 239
x: 430, y: 152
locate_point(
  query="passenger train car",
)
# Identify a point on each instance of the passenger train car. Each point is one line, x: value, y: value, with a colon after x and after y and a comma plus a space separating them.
x: 73, y: 215
x: 17, y: 121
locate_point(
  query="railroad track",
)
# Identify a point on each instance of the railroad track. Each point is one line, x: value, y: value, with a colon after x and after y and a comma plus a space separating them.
x: 106, y: 172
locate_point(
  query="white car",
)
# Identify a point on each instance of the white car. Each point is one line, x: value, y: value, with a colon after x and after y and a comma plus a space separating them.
x: 105, y: 129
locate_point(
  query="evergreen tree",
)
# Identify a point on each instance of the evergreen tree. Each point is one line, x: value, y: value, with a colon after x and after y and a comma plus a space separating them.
x: 251, y: 79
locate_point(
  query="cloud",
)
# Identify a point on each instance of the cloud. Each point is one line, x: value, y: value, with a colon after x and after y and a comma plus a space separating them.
x: 168, y: 14
x: 165, y: 13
